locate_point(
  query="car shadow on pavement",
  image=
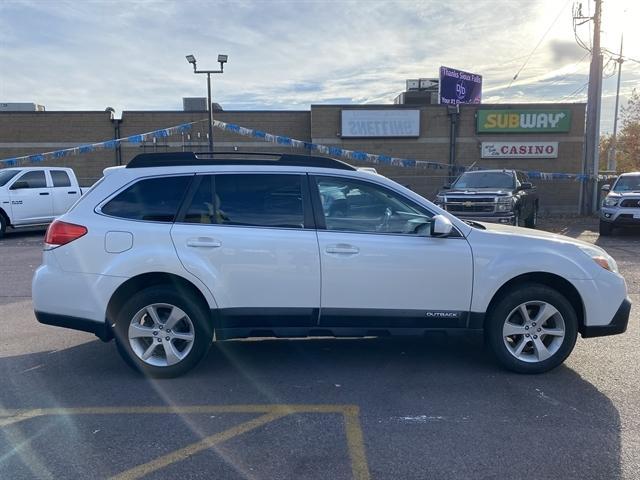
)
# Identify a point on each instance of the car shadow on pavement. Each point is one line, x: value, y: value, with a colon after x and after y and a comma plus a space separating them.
x: 435, y: 407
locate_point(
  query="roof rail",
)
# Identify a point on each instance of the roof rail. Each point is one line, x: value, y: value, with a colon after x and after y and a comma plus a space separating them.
x: 176, y: 159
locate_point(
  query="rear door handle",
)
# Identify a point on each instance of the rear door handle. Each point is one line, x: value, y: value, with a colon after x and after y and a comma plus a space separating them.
x: 343, y: 249
x: 72, y: 193
x: 204, y: 242
x: 44, y: 193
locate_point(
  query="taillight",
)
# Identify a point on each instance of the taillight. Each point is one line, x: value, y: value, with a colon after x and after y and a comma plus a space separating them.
x: 60, y: 233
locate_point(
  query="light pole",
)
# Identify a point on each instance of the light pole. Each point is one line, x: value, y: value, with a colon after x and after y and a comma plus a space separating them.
x: 222, y: 59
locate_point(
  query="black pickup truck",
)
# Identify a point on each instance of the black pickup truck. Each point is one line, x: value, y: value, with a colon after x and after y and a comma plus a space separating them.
x: 501, y: 196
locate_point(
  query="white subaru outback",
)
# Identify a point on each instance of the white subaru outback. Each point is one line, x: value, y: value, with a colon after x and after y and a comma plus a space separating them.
x: 174, y: 250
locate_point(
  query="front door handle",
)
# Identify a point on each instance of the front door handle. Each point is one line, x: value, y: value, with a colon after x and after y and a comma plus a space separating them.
x: 204, y: 242
x: 342, y: 248
x: 44, y: 193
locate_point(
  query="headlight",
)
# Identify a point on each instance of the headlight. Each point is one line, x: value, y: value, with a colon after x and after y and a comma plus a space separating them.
x: 601, y: 257
x: 610, y: 201
x: 505, y: 204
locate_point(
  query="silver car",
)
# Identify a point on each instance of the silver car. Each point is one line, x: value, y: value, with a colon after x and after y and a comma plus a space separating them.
x: 621, y: 206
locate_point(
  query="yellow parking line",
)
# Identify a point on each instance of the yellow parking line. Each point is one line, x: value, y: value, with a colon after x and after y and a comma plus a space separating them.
x: 18, y: 417
x: 207, y: 442
x: 193, y: 409
x: 353, y: 430
x: 355, y: 442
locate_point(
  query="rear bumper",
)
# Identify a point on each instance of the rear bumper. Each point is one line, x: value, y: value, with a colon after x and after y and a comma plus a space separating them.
x: 100, y: 329
x: 617, y: 325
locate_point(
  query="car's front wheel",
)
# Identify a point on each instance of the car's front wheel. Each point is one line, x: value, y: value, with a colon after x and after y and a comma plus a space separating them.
x: 532, y: 329
x: 605, y: 228
x: 162, y: 332
x: 3, y: 225
x: 532, y: 220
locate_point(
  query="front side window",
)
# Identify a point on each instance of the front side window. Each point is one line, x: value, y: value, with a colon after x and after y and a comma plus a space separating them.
x: 60, y: 178
x: 6, y: 175
x: 485, y: 180
x: 257, y: 200
x: 630, y: 183
x: 152, y: 199
x: 352, y: 205
x: 32, y: 179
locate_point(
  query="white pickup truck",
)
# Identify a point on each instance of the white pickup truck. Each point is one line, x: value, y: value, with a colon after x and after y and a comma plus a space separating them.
x: 35, y: 195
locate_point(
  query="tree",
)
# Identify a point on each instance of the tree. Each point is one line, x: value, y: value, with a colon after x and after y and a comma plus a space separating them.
x: 628, y: 139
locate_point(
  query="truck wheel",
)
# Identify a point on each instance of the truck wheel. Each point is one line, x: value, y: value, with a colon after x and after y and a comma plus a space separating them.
x: 532, y: 220
x: 3, y: 225
x: 162, y: 332
x: 531, y: 329
x: 605, y: 228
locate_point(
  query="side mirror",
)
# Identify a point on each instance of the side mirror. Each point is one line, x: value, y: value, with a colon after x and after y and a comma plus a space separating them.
x: 441, y: 226
x: 527, y: 185
x: 446, y: 186
x: 605, y: 188
x: 19, y: 185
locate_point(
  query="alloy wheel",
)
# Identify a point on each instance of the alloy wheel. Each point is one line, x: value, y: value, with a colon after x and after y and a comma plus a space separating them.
x: 533, y: 331
x: 161, y: 334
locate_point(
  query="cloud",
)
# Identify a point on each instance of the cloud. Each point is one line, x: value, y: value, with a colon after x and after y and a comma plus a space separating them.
x: 282, y: 54
x: 563, y: 51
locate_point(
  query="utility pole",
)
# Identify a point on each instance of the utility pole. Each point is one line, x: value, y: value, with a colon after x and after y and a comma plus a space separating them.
x: 612, y: 164
x: 592, y: 134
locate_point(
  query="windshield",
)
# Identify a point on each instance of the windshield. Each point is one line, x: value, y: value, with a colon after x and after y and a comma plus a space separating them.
x: 6, y: 175
x: 630, y: 183
x: 484, y: 180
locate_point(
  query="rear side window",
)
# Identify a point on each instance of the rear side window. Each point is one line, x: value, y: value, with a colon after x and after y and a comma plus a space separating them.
x: 153, y: 199
x: 34, y: 179
x: 60, y: 178
x: 257, y: 200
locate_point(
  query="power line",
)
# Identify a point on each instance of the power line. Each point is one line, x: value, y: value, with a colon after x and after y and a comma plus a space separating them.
x: 576, y: 92
x: 538, y: 44
x: 576, y: 64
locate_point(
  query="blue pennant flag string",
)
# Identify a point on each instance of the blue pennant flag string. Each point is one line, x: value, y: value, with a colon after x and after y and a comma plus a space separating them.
x: 335, y: 151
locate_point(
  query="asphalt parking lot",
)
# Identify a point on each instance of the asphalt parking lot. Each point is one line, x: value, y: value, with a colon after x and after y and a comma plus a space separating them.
x: 304, y: 409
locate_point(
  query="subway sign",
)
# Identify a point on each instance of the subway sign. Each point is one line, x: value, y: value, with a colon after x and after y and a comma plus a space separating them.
x: 522, y: 121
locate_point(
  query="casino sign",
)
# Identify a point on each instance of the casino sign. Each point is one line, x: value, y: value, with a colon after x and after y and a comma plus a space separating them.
x: 519, y: 149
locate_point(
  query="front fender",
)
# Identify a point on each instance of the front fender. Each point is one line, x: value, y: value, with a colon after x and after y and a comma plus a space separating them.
x: 499, y: 258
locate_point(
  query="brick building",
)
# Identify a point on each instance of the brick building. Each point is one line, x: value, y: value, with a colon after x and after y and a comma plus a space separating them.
x: 538, y: 137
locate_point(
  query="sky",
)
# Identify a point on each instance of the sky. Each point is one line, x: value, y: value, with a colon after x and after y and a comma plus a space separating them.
x: 130, y: 55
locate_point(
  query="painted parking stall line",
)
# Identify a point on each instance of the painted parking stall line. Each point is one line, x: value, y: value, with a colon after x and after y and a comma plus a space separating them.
x: 268, y: 413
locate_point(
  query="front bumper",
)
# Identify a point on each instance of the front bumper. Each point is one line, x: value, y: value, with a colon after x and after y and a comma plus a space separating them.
x: 505, y: 219
x: 620, y: 216
x: 617, y: 325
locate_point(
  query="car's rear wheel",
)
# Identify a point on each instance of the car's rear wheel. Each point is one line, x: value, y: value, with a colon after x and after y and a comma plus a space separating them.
x: 532, y: 329
x: 605, y: 228
x: 162, y: 332
x: 3, y: 225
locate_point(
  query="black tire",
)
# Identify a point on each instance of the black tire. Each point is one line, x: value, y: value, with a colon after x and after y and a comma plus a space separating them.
x: 185, y: 300
x: 3, y: 225
x: 511, y: 300
x: 516, y: 218
x: 605, y: 229
x: 532, y: 220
